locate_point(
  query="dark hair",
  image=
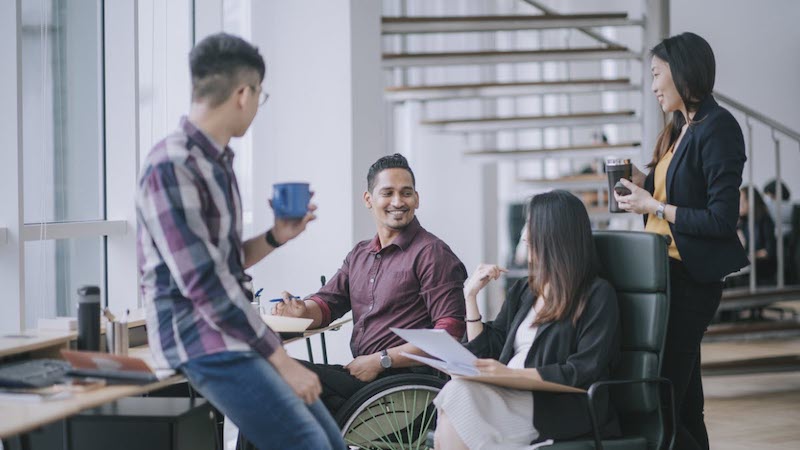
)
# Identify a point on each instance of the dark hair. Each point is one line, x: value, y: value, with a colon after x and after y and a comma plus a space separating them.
x: 396, y: 161
x: 771, y: 188
x: 562, y: 255
x: 218, y: 63
x: 758, y: 208
x: 691, y: 63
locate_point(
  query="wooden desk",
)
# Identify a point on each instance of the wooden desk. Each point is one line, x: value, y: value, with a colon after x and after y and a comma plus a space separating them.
x: 21, y: 417
x: 321, y: 332
x: 17, y: 417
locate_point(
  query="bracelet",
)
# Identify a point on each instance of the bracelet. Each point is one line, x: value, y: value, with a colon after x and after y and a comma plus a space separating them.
x: 270, y: 238
x: 475, y: 320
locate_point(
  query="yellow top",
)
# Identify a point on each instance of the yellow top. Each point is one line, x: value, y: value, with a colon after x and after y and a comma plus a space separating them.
x: 654, y: 224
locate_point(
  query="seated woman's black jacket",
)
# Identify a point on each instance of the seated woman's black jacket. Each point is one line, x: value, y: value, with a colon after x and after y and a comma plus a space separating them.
x: 574, y: 355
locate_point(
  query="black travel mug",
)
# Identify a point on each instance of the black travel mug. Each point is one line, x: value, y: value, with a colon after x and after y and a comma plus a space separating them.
x: 89, y: 318
x: 616, y: 168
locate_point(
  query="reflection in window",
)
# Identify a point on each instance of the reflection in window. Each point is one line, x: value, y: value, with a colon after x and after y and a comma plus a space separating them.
x: 54, y: 270
x: 61, y: 112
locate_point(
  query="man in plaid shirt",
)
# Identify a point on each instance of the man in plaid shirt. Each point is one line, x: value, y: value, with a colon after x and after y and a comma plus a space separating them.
x: 192, y: 261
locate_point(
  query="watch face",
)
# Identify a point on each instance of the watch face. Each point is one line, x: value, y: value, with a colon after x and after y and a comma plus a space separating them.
x: 386, y: 361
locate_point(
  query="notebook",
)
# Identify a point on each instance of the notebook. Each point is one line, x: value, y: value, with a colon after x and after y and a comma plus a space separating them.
x: 114, y: 368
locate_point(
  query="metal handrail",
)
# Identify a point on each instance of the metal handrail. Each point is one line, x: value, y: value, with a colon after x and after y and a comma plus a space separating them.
x: 774, y: 126
x: 758, y: 116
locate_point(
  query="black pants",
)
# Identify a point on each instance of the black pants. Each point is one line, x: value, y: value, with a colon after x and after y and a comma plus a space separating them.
x: 692, y: 306
x: 338, y: 385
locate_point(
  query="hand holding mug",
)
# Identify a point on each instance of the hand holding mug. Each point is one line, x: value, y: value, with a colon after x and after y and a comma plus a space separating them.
x: 639, y: 201
x: 287, y: 229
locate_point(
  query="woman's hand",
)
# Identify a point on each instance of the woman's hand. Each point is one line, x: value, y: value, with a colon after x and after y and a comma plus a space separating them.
x: 639, y: 201
x: 481, y: 277
x: 492, y: 367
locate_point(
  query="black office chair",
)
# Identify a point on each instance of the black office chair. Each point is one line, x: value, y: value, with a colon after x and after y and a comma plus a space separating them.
x: 636, y: 264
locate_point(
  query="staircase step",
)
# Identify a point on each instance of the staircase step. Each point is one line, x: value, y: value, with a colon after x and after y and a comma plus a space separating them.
x: 511, y: 89
x: 391, y: 60
x: 532, y: 122
x: 595, y: 150
x: 576, y: 182
x: 752, y: 330
x: 458, y: 24
x: 742, y: 298
x: 782, y: 363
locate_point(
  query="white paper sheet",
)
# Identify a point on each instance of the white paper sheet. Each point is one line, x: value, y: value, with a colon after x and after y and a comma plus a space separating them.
x: 441, y: 345
x: 443, y: 366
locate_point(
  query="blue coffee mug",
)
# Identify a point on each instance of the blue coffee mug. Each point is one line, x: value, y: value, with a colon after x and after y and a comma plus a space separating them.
x: 290, y: 200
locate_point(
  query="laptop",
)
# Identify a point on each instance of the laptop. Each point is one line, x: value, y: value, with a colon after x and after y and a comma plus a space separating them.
x: 116, y: 369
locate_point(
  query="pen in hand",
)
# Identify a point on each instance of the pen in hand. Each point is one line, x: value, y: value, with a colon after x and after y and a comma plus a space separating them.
x: 276, y: 300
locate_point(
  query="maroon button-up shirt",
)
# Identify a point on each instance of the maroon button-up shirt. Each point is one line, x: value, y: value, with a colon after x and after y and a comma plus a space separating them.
x: 414, y: 282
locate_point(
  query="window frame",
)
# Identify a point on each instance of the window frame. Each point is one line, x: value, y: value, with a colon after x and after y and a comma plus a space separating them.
x: 120, y: 150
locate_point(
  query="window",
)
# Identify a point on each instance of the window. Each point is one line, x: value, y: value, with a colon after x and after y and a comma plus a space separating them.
x: 63, y: 158
x: 97, y: 84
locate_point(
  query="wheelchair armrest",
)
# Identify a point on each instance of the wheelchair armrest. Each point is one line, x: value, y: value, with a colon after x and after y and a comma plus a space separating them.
x: 590, y: 394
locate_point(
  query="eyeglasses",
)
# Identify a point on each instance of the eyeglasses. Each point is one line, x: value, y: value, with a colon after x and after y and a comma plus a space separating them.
x: 262, y: 95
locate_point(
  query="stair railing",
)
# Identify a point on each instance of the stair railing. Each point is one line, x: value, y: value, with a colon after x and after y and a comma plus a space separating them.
x: 776, y: 129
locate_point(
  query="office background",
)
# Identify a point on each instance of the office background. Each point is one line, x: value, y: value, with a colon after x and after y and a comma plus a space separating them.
x: 89, y: 86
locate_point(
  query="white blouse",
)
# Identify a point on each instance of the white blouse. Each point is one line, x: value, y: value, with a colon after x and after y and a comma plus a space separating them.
x: 523, y: 340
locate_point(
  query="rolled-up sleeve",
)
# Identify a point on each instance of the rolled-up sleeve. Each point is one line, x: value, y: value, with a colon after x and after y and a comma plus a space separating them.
x: 442, y: 277
x: 334, y: 298
x: 171, y: 208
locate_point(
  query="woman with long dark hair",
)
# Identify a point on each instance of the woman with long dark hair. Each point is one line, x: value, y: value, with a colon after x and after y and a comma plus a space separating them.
x: 559, y: 325
x: 691, y: 194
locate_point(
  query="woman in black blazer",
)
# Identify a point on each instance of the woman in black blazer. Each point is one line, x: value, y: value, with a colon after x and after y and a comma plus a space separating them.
x: 692, y: 195
x: 560, y: 325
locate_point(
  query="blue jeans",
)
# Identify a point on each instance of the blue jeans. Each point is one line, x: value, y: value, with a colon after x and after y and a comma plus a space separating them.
x: 248, y: 390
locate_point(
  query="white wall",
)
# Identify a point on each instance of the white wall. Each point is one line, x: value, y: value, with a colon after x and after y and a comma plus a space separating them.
x: 322, y: 124
x: 757, y: 50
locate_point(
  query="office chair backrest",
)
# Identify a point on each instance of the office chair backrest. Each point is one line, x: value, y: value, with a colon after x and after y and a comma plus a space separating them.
x: 637, y: 265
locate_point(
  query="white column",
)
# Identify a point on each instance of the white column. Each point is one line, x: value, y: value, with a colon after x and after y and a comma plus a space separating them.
x: 12, y: 276
x: 323, y: 124
x: 122, y: 148
x: 367, y: 111
x: 656, y: 28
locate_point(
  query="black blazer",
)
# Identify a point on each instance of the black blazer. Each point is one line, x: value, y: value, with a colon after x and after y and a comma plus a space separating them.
x: 575, y: 355
x: 703, y: 181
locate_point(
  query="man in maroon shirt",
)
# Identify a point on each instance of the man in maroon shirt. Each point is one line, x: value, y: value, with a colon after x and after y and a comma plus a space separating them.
x: 404, y: 277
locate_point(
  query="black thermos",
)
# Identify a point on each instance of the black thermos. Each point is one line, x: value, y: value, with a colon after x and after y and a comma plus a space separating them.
x: 89, y: 318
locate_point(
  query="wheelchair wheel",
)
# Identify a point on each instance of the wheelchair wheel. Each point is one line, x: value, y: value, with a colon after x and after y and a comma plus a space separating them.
x: 394, y: 413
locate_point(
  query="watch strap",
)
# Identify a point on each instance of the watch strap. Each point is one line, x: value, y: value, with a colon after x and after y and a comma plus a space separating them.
x: 270, y: 238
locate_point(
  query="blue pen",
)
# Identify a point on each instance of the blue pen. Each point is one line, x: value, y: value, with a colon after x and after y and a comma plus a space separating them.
x: 258, y: 293
x: 276, y: 300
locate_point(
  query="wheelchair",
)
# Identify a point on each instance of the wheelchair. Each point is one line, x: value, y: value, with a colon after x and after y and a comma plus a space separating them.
x: 392, y: 413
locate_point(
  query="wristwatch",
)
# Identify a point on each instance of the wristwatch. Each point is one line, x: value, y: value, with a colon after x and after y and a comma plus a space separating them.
x: 386, y: 360
x: 660, y: 210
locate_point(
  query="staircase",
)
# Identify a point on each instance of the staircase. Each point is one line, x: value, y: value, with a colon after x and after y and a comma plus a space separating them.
x: 543, y: 96
x: 580, y: 86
